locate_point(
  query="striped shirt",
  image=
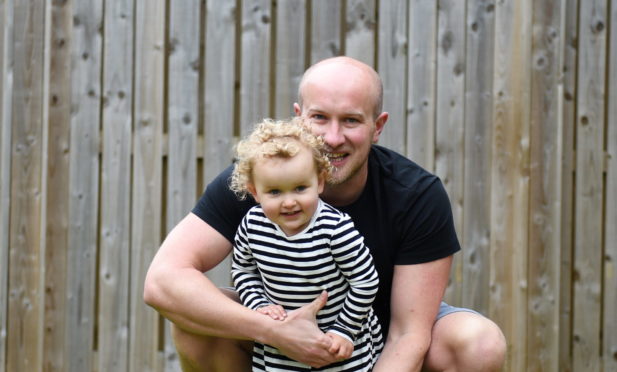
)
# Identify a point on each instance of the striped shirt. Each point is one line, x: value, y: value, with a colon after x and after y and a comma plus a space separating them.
x: 272, y: 268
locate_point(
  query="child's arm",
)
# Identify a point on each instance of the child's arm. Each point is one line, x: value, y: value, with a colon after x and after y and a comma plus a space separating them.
x: 356, y: 264
x: 244, y: 273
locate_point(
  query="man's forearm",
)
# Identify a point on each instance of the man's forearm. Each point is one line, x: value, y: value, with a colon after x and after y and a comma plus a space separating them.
x: 404, y: 353
x: 192, y: 302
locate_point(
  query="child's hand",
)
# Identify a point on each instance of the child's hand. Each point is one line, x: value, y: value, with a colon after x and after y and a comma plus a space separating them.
x: 341, y: 347
x: 275, y: 312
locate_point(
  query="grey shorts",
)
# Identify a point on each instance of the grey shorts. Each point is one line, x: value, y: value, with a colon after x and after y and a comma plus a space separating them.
x: 445, y: 309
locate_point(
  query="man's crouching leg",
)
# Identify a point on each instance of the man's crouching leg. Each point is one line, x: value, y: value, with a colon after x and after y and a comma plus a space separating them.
x: 202, y: 353
x: 464, y: 341
x: 212, y: 354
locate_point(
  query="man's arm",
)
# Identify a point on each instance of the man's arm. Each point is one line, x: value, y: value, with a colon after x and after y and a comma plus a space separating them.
x: 417, y: 291
x: 176, y: 287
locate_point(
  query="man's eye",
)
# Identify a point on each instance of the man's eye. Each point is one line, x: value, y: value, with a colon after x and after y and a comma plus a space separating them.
x: 352, y: 120
x: 318, y: 117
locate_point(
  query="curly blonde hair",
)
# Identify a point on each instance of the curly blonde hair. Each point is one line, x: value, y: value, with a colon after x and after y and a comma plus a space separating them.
x: 276, y: 138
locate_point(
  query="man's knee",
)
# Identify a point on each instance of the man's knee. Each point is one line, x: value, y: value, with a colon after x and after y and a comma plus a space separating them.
x: 205, y: 353
x: 486, y: 347
x: 466, y: 342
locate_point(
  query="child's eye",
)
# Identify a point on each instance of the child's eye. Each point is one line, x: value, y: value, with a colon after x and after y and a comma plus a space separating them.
x: 301, y: 188
x: 274, y: 192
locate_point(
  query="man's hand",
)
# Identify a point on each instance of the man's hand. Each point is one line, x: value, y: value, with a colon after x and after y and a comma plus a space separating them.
x: 299, y: 338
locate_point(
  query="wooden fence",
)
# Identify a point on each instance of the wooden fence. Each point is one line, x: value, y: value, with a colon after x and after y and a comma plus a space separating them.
x: 115, y: 114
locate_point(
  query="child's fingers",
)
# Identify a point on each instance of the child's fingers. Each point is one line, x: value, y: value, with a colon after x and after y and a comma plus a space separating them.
x: 275, y: 312
x: 279, y: 311
x: 346, y: 350
x: 334, y: 348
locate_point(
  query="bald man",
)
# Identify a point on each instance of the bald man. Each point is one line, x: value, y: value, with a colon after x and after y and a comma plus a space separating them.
x: 402, y: 211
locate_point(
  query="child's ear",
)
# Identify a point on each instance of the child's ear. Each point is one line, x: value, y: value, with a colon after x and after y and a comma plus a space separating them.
x: 321, y: 182
x: 251, y: 189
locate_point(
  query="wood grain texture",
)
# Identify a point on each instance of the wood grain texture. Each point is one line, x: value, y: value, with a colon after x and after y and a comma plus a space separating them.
x: 450, y: 123
x: 421, y: 70
x: 146, y: 193
x: 609, y: 330
x: 255, y: 72
x: 360, y: 33
x: 6, y: 106
x: 480, y: 24
x: 590, y: 132
x: 115, y: 234
x: 510, y: 176
x: 220, y: 108
x: 545, y: 191
x: 114, y: 116
x: 391, y: 65
x: 290, y: 55
x: 326, y: 16
x: 86, y: 59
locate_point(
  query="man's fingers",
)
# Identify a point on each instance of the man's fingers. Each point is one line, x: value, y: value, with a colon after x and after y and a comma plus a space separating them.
x: 318, y: 303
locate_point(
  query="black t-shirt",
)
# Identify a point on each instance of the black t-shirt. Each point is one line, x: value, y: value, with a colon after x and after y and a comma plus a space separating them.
x: 403, y: 213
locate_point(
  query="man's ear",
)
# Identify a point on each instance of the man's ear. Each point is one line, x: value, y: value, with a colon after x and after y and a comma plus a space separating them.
x: 380, y: 122
x: 297, y: 109
x: 251, y: 189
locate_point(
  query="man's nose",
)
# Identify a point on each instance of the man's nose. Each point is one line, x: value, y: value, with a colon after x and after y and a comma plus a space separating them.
x: 333, y: 135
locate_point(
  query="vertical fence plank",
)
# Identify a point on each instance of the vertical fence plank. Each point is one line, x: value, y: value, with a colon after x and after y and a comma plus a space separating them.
x: 510, y: 175
x: 449, y: 121
x: 391, y: 65
x: 478, y: 118
x: 360, y: 30
x: 421, y: 70
x: 545, y: 187
x: 569, y: 34
x: 83, y: 183
x: 183, y: 107
x: 255, y: 63
x: 6, y: 98
x: 609, y: 330
x: 25, y: 302
x: 220, y: 78
x: 289, y: 55
x: 325, y: 29
x: 183, y: 118
x: 589, y: 186
x: 57, y: 208
x: 114, y: 248
x: 147, y: 177
x: 219, y: 92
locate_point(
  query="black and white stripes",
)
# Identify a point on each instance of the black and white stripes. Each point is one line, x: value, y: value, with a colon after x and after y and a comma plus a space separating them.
x: 272, y: 268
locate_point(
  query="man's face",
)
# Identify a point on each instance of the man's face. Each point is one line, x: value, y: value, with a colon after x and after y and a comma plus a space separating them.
x: 339, y: 106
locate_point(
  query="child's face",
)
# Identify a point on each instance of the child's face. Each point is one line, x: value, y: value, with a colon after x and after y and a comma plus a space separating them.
x: 288, y: 190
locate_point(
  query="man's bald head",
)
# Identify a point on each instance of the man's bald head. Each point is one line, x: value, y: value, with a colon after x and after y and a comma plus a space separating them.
x: 338, y: 65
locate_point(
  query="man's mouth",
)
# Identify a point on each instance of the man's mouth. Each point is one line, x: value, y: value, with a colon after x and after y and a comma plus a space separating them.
x: 336, y: 157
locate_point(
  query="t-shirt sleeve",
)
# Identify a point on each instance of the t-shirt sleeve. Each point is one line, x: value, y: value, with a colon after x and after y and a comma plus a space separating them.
x: 428, y: 228
x: 220, y: 208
